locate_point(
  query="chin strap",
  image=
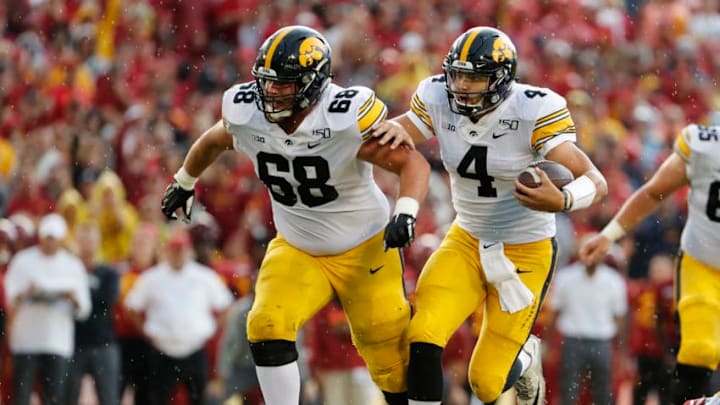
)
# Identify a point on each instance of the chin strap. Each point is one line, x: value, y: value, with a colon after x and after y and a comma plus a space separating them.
x: 277, y: 116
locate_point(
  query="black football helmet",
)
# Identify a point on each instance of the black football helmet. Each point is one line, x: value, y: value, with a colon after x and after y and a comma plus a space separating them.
x: 486, y: 52
x: 293, y: 55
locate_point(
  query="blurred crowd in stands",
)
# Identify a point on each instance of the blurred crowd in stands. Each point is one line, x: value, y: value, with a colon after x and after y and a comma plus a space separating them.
x: 99, y: 100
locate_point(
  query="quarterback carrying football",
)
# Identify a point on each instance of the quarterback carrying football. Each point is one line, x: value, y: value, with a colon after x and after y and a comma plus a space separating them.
x: 312, y: 143
x: 694, y: 162
x: 500, y: 252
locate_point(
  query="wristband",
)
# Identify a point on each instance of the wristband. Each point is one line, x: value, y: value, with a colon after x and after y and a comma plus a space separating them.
x: 613, y: 231
x: 185, y: 180
x: 407, y: 206
x: 582, y: 190
x: 567, y: 200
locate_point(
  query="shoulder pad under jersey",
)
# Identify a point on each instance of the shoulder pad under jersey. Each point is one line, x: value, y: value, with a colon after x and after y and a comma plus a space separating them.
x: 238, y: 104
x: 430, y: 91
x: 693, y: 139
x: 353, y: 106
x: 547, y: 109
x: 536, y: 103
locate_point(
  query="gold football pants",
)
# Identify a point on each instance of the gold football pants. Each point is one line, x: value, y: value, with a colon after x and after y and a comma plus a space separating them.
x: 699, y: 311
x: 452, y: 286
x: 293, y: 285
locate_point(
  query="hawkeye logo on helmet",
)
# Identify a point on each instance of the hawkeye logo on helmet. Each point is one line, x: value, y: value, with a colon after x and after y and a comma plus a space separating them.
x: 312, y: 49
x: 502, y: 51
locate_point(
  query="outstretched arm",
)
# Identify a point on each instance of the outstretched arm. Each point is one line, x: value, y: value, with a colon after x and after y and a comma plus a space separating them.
x: 391, y: 131
x: 408, y: 164
x: 400, y: 130
x: 669, y: 178
x: 180, y: 193
x: 206, y: 149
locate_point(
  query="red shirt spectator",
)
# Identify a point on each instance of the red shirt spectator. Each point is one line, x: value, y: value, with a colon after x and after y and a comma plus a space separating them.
x: 122, y: 324
x: 643, y: 300
x: 329, y: 340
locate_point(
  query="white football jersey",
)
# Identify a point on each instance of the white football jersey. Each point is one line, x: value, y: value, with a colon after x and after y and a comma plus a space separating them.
x: 324, y: 200
x: 484, y: 158
x: 699, y: 146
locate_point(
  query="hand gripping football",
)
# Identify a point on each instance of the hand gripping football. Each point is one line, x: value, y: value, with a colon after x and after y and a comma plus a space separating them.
x: 557, y: 172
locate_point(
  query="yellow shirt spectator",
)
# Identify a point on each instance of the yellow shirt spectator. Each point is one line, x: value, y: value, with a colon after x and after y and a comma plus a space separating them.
x: 115, y: 216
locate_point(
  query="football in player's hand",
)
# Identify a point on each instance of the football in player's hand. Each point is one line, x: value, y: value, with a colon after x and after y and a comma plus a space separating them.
x: 557, y: 172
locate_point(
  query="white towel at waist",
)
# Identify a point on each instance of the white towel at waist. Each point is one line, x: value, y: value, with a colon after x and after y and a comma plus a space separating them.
x: 500, y: 272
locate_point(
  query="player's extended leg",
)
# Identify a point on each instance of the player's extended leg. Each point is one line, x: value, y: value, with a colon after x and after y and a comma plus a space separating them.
x: 291, y: 287
x: 448, y: 291
x: 497, y: 362
x: 369, y: 283
x: 698, y: 308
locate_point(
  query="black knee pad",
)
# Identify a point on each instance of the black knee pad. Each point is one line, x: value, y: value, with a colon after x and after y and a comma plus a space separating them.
x: 396, y: 398
x: 425, y: 378
x: 273, y: 353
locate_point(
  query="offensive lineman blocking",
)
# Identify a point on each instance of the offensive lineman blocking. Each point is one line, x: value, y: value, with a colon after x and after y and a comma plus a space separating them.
x: 312, y: 144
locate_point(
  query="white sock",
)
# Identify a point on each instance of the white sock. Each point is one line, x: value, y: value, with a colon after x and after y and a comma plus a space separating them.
x: 525, y: 361
x: 280, y: 385
x: 414, y: 402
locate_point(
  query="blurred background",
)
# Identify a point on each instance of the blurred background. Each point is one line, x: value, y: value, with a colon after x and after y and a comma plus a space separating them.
x: 100, y: 99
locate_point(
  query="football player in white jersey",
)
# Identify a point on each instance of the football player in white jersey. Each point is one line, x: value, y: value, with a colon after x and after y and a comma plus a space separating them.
x: 695, y: 162
x: 312, y: 144
x: 499, y: 253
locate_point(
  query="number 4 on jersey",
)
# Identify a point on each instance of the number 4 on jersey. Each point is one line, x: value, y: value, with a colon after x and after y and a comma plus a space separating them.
x: 474, y: 166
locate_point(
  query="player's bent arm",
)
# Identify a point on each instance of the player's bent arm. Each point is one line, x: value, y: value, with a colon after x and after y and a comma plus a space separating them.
x: 411, y: 129
x: 180, y: 193
x: 670, y: 177
x: 391, y: 131
x: 408, y: 164
x: 589, y: 185
x: 207, y: 148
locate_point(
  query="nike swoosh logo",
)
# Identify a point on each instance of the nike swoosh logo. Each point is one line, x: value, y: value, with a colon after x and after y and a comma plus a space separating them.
x: 518, y: 271
x: 489, y: 245
x: 496, y: 136
x: 312, y: 145
x: 375, y: 270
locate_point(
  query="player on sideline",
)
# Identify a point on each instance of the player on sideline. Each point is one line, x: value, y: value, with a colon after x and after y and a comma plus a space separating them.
x: 500, y: 252
x: 694, y: 162
x: 312, y: 144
